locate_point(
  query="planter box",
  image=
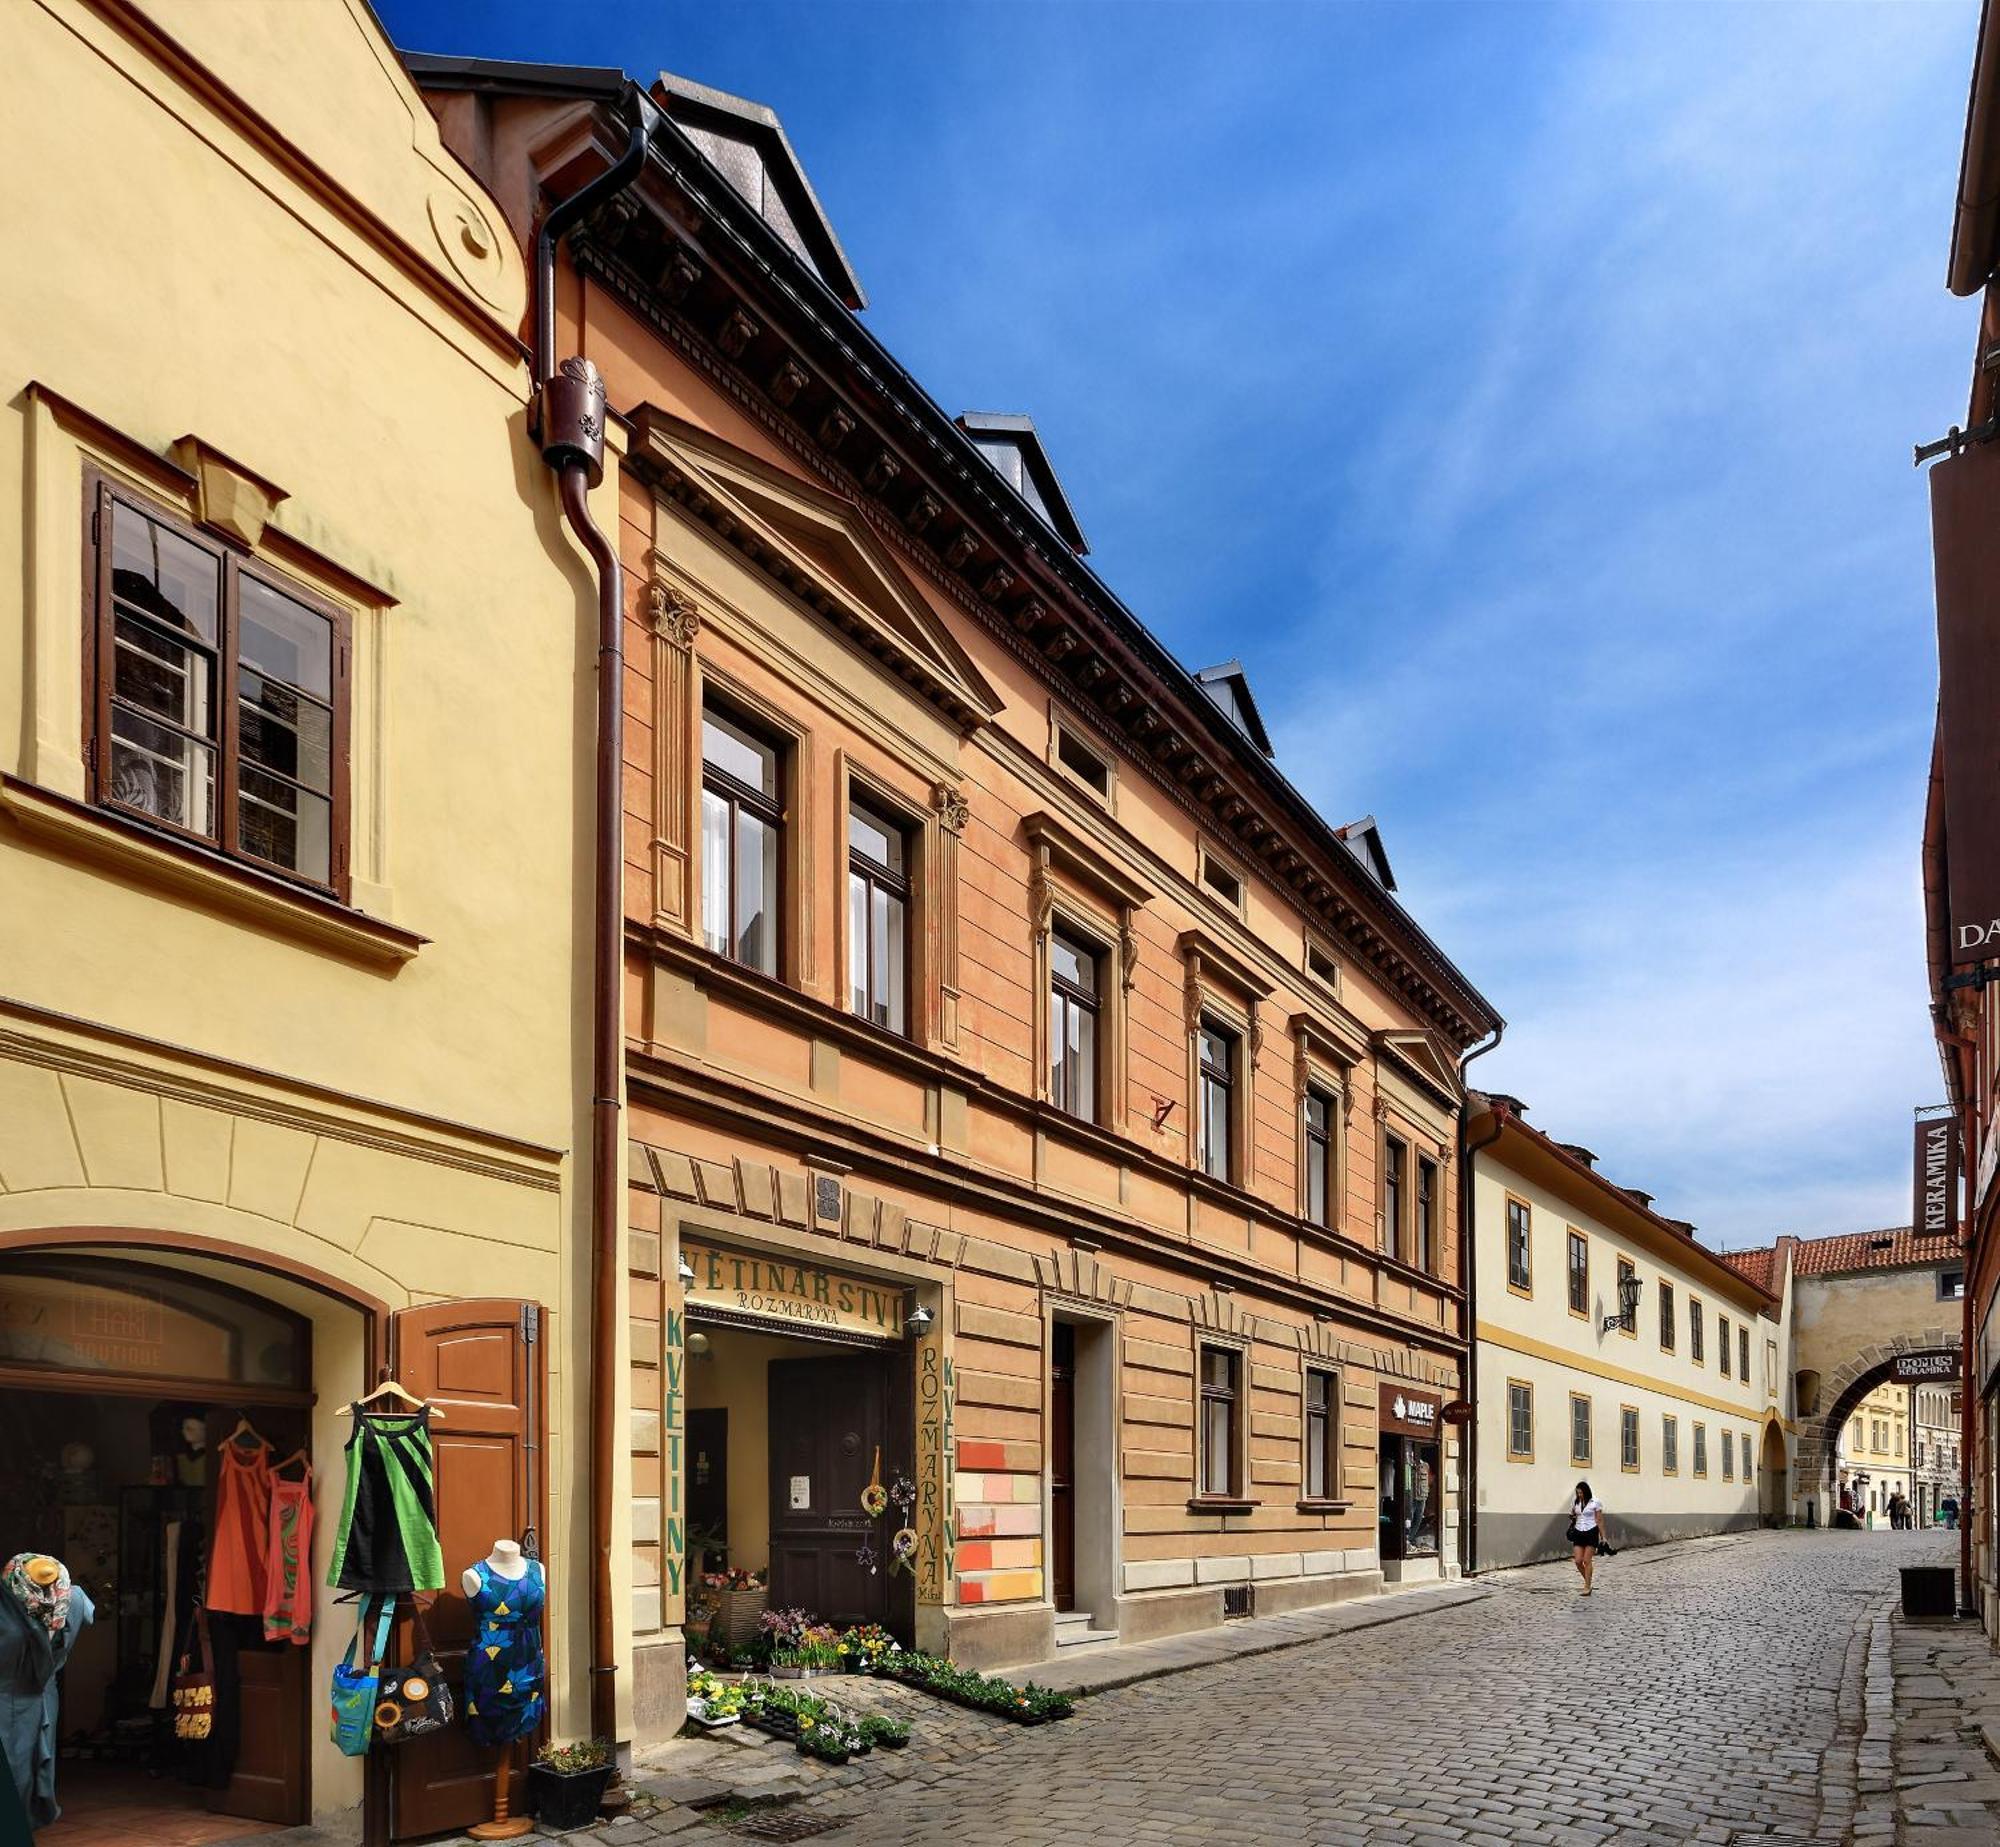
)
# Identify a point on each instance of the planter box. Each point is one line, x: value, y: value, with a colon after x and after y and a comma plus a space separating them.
x: 738, y: 1613
x: 566, y: 1801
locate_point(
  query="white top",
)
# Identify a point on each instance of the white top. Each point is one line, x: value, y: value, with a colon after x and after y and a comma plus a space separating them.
x: 1584, y: 1518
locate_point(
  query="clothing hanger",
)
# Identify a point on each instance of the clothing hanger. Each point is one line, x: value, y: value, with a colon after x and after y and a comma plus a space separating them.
x: 299, y: 1456
x: 245, y: 1428
x: 390, y: 1389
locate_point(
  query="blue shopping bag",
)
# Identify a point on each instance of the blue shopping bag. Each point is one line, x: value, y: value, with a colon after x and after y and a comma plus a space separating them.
x: 355, y: 1688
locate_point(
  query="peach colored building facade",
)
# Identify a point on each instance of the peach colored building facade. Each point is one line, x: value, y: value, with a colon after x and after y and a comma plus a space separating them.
x: 1037, y: 1113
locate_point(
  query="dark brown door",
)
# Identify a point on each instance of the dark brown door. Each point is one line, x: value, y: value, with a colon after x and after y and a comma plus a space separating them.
x: 829, y: 1420
x: 267, y: 1780
x: 1062, y: 1463
x: 481, y: 1364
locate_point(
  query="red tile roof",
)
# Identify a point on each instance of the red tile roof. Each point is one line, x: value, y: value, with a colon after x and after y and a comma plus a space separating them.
x: 1896, y: 1247
x: 1756, y: 1265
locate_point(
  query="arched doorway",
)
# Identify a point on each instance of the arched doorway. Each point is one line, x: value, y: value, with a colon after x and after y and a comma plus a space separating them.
x: 1774, y: 1482
x: 1842, y: 1390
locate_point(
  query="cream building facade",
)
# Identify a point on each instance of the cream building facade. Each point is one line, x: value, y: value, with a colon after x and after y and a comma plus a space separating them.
x: 1876, y: 1457
x: 295, y: 675
x: 1677, y: 1412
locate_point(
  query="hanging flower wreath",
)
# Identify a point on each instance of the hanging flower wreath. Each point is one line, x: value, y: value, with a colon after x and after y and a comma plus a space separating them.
x: 902, y: 1549
x: 903, y: 1491
x: 874, y: 1500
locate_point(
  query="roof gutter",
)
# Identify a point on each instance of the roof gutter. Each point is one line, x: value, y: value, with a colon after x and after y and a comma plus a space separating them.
x: 1468, y: 1263
x: 1976, y: 220
x: 569, y: 420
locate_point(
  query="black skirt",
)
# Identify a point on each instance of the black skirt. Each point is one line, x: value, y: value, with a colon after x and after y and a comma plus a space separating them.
x: 1594, y: 1538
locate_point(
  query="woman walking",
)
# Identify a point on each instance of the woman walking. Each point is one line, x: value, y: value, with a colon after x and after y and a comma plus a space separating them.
x: 1586, y: 1532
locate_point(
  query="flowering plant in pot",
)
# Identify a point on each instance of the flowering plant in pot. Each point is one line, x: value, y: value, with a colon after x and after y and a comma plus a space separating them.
x: 566, y: 1782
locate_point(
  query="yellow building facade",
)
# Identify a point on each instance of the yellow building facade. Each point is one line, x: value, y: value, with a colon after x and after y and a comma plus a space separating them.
x: 1876, y: 1456
x: 294, y: 784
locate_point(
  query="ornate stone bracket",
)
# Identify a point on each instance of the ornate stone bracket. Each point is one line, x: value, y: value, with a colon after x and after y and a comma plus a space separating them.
x: 672, y: 614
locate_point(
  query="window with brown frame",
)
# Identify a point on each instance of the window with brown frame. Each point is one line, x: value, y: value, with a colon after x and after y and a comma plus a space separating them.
x: 1395, y: 1160
x: 220, y: 695
x: 1322, y: 1459
x: 1722, y: 1345
x: 1701, y: 1450
x: 1320, y: 1114
x: 1218, y: 1100
x: 1628, y: 1439
x: 1670, y: 1445
x: 1743, y: 1353
x: 1520, y: 1421
x: 1579, y: 1274
x: 1728, y: 1455
x: 878, y: 909
x: 742, y: 820
x: 1221, y: 1421
x: 1666, y: 1316
x: 1073, y: 1015
x: 1579, y: 1431
x: 1519, y: 1274
x: 1694, y: 1333
x: 1425, y: 1255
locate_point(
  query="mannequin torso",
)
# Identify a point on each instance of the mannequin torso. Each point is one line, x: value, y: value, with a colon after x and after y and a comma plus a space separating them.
x: 504, y: 1561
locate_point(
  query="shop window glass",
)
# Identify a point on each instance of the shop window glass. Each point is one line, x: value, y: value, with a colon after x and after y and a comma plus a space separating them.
x: 84, y: 1315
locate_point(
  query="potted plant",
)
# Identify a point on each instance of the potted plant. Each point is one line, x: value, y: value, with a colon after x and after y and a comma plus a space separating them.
x: 890, y: 1734
x: 566, y: 1782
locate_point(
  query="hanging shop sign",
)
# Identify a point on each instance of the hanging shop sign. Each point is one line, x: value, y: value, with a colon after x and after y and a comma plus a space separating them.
x: 1936, y: 1202
x: 1409, y: 1413
x: 1965, y: 546
x: 1937, y: 1367
x: 807, y: 1298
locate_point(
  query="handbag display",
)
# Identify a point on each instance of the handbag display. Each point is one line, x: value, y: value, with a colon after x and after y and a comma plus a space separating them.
x: 355, y: 1688
x: 413, y: 1701
x: 191, y: 1692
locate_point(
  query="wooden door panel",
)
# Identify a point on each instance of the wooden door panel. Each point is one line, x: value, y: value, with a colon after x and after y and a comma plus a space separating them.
x: 477, y: 1363
x: 829, y: 1420
x: 269, y: 1781
x: 1062, y: 1465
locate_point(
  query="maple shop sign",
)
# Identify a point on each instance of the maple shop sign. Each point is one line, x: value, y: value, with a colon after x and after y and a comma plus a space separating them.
x: 1407, y: 1413
x: 806, y: 1297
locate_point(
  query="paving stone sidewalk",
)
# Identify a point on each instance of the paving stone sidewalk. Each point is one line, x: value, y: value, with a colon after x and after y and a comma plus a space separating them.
x: 1944, y: 1760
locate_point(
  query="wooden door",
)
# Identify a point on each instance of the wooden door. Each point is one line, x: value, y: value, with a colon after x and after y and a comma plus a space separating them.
x: 481, y: 1364
x: 829, y: 1418
x: 1062, y: 1463
x: 267, y: 1776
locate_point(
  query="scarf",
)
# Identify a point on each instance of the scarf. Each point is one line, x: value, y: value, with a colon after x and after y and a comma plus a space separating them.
x: 43, y: 1593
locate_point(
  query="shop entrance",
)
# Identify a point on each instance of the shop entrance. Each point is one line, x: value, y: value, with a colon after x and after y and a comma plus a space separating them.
x: 124, y: 1389
x: 799, y: 1462
x: 1410, y: 1484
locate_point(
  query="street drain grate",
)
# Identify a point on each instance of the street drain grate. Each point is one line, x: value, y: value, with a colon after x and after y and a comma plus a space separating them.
x: 787, y: 1825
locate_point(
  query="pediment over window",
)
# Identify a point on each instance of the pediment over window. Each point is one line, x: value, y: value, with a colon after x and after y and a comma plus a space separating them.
x: 818, y: 547
x: 1425, y: 1056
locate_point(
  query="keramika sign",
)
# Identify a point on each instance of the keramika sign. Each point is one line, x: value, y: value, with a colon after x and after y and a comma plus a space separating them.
x: 806, y: 1298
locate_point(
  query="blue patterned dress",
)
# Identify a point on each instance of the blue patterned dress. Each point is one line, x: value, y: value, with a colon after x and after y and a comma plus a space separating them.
x: 505, y: 1669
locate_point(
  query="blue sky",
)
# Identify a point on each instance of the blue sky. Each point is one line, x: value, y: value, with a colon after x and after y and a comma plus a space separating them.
x: 1526, y: 394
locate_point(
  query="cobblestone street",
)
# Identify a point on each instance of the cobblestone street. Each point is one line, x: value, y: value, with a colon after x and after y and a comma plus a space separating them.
x: 1709, y: 1692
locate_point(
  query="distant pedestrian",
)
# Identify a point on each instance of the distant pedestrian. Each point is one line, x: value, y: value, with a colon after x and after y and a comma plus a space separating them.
x: 1587, y: 1535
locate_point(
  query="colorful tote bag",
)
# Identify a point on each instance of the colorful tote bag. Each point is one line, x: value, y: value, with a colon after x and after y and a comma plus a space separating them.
x: 414, y: 1700
x: 355, y: 1688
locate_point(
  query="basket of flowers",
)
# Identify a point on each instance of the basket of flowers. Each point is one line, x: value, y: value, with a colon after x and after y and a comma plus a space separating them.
x: 736, y: 1601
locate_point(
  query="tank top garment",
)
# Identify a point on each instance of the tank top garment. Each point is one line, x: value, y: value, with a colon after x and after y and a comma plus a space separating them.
x: 238, y: 1575
x: 288, y: 1561
x: 504, y: 1666
x: 387, y: 1537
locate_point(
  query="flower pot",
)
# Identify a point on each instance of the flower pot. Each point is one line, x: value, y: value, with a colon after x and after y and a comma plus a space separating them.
x: 566, y: 1800
x: 740, y: 1612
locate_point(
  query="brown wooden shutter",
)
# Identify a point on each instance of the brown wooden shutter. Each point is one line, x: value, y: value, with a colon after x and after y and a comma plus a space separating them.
x: 481, y: 1362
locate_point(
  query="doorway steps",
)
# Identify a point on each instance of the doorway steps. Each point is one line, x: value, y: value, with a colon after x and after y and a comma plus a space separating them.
x: 1073, y: 1631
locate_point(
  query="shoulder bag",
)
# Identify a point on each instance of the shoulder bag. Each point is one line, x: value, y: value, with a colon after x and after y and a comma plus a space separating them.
x: 355, y: 1688
x: 191, y: 1692
x: 413, y: 1700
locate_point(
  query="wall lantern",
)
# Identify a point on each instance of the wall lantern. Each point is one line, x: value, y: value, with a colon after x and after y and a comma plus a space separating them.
x: 697, y: 1344
x: 686, y: 1272
x: 919, y: 1320
x: 1628, y: 1305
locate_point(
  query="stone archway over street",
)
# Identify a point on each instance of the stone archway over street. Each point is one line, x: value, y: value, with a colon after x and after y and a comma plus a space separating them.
x: 1845, y: 1386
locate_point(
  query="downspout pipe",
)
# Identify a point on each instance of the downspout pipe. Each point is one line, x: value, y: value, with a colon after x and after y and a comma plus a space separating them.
x: 569, y: 424
x: 1468, y: 1247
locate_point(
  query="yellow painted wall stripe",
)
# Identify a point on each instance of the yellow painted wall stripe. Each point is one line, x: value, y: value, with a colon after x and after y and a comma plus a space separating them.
x: 1495, y: 1336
